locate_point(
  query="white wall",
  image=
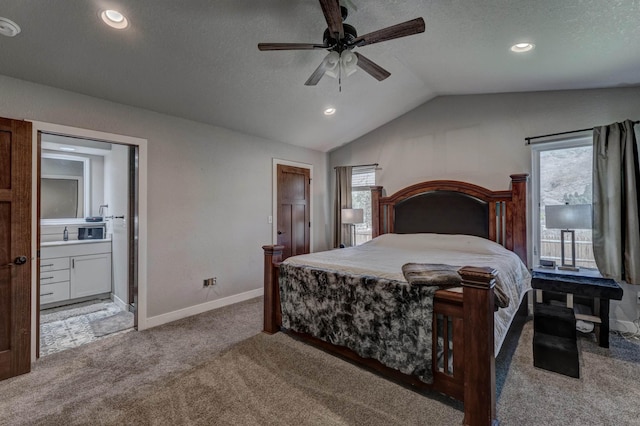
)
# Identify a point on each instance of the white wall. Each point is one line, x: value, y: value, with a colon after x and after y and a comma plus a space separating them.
x: 480, y: 139
x: 209, y: 191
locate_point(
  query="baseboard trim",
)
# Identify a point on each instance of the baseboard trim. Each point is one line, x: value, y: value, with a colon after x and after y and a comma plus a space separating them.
x: 120, y: 303
x: 624, y: 326
x: 203, y: 307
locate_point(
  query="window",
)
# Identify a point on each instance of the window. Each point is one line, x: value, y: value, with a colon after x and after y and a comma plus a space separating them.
x: 562, y: 174
x: 362, y: 179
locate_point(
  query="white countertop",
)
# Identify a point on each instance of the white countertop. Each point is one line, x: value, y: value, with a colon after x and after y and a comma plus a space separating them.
x: 73, y: 242
x: 79, y: 222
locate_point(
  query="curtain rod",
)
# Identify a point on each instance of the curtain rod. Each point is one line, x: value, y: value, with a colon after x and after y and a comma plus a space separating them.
x: 561, y: 133
x: 360, y: 165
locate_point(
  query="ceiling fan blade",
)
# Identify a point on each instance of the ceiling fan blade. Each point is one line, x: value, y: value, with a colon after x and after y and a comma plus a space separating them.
x: 333, y: 16
x: 371, y: 68
x: 290, y: 46
x: 318, y: 73
x: 415, y: 26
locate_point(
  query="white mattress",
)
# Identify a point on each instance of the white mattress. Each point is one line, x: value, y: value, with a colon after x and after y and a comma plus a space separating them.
x: 384, y: 256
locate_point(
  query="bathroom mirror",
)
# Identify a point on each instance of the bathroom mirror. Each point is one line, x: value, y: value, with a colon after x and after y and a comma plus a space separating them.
x: 64, y: 186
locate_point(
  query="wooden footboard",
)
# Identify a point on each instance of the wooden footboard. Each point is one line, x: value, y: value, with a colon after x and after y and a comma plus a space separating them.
x: 479, y: 359
x: 448, y: 367
x: 272, y: 313
x: 467, y: 334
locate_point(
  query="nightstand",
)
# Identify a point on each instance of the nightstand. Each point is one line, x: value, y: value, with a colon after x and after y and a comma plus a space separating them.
x: 585, y: 283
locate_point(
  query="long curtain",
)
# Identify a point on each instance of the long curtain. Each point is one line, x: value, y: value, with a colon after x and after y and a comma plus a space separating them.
x: 341, y: 234
x: 616, y: 201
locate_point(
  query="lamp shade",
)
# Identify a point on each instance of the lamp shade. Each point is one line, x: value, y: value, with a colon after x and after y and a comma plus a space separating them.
x: 348, y: 62
x: 332, y: 66
x: 352, y: 216
x: 566, y: 216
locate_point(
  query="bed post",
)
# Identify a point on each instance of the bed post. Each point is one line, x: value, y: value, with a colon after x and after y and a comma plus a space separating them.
x: 479, y: 358
x: 519, y: 217
x: 272, y: 256
x: 376, y: 194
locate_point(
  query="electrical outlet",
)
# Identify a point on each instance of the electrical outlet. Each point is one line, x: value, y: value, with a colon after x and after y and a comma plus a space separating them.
x: 208, y: 282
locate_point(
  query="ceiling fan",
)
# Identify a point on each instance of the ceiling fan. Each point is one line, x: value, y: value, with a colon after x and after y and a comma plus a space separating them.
x: 340, y: 38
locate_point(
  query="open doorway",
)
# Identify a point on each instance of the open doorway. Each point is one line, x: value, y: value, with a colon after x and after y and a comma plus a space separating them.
x: 87, y: 240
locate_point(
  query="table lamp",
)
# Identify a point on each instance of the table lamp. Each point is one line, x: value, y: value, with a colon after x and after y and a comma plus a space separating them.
x: 351, y: 217
x: 567, y: 218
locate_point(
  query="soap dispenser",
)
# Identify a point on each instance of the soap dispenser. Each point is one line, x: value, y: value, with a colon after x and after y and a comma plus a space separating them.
x: 65, y: 234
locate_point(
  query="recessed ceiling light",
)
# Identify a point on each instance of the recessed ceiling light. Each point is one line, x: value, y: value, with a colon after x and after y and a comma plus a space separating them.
x: 66, y: 148
x: 8, y: 27
x: 114, y: 19
x: 329, y: 111
x: 522, y: 47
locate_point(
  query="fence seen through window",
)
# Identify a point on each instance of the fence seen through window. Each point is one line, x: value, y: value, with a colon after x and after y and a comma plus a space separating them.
x: 362, y: 179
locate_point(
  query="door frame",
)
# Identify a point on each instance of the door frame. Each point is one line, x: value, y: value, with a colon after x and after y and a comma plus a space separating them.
x: 37, y: 127
x: 274, y: 204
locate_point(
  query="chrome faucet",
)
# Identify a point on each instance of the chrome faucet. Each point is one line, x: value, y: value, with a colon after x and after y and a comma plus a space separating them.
x: 102, y: 207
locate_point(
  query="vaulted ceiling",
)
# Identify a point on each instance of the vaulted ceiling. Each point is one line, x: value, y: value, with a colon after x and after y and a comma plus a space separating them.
x: 198, y: 59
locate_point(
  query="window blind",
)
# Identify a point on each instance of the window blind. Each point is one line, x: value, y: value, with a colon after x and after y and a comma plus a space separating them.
x: 364, y: 176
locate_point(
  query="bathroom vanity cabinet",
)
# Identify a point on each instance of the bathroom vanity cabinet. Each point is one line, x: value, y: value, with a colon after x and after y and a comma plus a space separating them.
x: 74, y: 270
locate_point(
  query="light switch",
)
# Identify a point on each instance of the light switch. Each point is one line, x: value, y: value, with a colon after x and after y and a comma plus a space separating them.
x: 270, y: 219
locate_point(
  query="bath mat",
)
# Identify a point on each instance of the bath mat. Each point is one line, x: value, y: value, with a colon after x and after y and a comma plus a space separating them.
x: 113, y: 324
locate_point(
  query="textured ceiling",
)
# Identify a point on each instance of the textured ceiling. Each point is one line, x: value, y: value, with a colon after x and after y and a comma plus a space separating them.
x: 198, y: 59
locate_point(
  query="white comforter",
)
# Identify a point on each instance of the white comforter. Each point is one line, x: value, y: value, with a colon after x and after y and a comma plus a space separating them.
x: 384, y: 256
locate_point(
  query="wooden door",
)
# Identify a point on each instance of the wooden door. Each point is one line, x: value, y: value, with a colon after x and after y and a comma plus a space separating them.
x: 15, y: 247
x: 294, y: 225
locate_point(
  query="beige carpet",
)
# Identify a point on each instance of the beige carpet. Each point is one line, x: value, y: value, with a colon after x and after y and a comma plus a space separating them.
x: 607, y: 393
x: 271, y: 380
x: 171, y: 375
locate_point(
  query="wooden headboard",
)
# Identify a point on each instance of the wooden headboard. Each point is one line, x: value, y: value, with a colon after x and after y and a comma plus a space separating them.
x: 453, y: 207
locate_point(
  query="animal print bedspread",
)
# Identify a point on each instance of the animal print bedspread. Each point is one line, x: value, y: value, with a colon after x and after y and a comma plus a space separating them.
x: 387, y: 320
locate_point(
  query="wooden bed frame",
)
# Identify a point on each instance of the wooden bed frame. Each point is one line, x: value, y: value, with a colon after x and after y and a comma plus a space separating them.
x: 469, y: 311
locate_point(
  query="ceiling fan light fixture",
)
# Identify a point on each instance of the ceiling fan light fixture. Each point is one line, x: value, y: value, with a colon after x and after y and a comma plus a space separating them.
x: 339, y: 38
x: 522, y: 47
x: 8, y: 27
x: 348, y: 62
x: 344, y: 63
x: 114, y: 19
x: 333, y: 64
x: 330, y: 111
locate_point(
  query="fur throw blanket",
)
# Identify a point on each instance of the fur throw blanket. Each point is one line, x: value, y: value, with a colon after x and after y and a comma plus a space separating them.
x: 435, y: 274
